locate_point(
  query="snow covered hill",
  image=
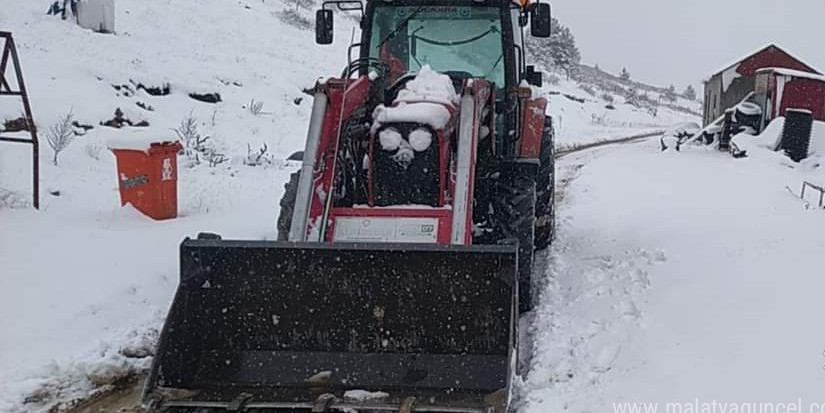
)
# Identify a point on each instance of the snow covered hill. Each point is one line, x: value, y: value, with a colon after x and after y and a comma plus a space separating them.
x: 593, y: 109
x: 84, y: 283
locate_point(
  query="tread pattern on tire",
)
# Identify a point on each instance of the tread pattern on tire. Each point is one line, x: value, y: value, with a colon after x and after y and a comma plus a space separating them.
x: 287, y: 206
x: 514, y: 205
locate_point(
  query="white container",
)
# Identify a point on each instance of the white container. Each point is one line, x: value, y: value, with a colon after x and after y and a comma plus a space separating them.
x: 97, y: 15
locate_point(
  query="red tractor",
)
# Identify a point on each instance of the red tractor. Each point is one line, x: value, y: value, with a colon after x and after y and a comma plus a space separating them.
x: 405, y: 242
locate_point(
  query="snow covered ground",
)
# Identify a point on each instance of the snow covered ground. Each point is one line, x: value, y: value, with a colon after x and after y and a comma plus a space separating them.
x: 681, y: 276
x: 676, y: 275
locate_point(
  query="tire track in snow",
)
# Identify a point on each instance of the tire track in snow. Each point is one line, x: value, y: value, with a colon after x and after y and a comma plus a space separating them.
x: 567, y: 150
x: 590, y: 306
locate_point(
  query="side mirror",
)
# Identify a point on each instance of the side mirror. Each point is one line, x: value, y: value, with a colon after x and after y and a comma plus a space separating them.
x: 323, y: 26
x: 532, y: 77
x: 540, y: 20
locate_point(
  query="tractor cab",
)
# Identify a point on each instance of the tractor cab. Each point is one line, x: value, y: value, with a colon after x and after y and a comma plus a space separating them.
x: 471, y: 42
x: 464, y: 39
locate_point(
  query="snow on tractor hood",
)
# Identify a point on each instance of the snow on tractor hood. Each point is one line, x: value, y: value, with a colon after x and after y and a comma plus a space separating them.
x: 430, y: 98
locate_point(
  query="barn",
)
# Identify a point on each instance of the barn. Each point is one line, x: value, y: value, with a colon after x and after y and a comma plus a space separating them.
x: 732, y: 84
x: 778, y: 90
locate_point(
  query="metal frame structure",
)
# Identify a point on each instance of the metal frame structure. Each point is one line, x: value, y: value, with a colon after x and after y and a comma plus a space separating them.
x: 10, y: 52
x: 821, y: 190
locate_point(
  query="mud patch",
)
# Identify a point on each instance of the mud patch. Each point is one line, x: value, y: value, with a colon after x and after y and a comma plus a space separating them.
x: 121, y: 398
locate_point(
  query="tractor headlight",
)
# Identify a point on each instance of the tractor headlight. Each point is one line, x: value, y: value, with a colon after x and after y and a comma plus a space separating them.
x: 390, y: 139
x: 420, y: 139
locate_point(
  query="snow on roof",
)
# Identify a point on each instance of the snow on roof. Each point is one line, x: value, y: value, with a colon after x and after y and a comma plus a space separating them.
x: 762, y: 50
x: 805, y: 111
x: 728, y: 76
x: 792, y: 73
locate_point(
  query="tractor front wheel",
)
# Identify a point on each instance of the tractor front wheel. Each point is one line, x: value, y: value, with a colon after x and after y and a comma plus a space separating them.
x: 514, y: 209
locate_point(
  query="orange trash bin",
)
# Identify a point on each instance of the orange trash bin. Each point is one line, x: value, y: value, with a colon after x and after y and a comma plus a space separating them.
x: 148, y: 179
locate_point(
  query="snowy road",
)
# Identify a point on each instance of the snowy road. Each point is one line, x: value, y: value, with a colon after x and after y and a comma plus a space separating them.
x: 677, y: 277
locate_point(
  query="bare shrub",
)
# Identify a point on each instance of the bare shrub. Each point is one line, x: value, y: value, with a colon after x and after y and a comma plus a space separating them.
x: 214, y: 158
x: 61, y: 135
x: 191, y: 139
x: 12, y: 199
x: 259, y: 157
x: 599, y: 119
x: 256, y: 107
x: 197, y: 147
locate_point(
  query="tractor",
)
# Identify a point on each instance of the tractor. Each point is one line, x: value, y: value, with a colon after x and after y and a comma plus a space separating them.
x: 405, y: 242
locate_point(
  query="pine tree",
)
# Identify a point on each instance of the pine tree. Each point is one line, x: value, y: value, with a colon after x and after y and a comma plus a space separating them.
x: 670, y: 94
x: 625, y: 74
x: 632, y: 97
x: 689, y: 93
x: 559, y: 51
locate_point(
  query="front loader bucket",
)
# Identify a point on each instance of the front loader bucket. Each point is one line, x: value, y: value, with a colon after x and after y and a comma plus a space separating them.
x: 293, y: 326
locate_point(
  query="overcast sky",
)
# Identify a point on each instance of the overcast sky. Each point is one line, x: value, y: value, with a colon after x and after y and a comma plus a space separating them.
x: 686, y: 41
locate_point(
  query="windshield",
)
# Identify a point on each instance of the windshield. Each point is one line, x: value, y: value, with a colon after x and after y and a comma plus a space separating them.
x: 466, y: 41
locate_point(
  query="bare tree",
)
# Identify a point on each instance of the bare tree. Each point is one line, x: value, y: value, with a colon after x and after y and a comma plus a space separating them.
x: 61, y: 135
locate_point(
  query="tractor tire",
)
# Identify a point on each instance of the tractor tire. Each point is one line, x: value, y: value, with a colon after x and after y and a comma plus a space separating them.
x: 546, y: 188
x: 514, y: 209
x: 288, y: 206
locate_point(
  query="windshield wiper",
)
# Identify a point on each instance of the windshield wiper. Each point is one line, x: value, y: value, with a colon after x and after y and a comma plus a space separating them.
x: 492, y: 29
x: 400, y: 26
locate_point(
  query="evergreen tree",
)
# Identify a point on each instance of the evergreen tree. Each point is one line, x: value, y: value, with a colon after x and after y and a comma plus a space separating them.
x: 670, y: 94
x: 689, y: 93
x: 559, y: 51
x: 625, y: 74
x: 631, y: 97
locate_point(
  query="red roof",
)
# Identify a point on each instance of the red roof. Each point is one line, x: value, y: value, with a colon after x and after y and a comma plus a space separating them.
x: 770, y: 56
